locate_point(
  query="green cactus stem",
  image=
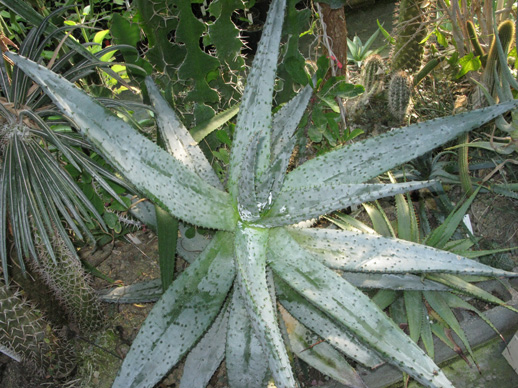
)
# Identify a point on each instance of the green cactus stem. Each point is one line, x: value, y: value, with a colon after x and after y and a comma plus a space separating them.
x: 410, y: 30
x: 400, y: 88
x: 506, y: 36
x: 68, y: 281
x: 372, y: 75
x: 28, y: 338
x: 473, y: 37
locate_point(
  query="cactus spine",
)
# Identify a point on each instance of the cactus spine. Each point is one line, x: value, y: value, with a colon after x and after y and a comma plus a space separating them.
x: 399, y: 91
x: 26, y: 337
x: 410, y: 28
x: 66, y: 278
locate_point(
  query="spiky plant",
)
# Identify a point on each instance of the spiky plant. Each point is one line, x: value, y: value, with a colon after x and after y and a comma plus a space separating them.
x: 26, y: 337
x: 69, y: 283
x: 425, y: 303
x: 410, y: 29
x: 399, y: 92
x: 372, y: 77
x: 37, y: 145
x: 223, y: 306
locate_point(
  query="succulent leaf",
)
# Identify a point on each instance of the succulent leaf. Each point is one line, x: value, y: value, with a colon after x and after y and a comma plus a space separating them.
x: 321, y: 324
x: 354, y: 310
x: 250, y: 248
x: 178, y: 140
x: 352, y: 251
x: 180, y: 317
x: 320, y: 355
x: 149, y: 168
x: 305, y: 202
x: 364, y: 160
x: 205, y: 357
x: 255, y: 114
x: 245, y: 361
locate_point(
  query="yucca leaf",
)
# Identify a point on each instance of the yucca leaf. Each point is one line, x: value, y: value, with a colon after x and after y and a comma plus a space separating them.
x: 304, y: 203
x: 250, y: 258
x: 245, y: 361
x: 141, y: 292
x: 254, y: 118
x: 320, y: 355
x: 345, y: 221
x: 324, y: 326
x: 178, y: 141
x: 149, y: 168
x: 180, y: 317
x: 204, y: 359
x: 323, y: 287
x: 364, y: 160
x: 357, y: 252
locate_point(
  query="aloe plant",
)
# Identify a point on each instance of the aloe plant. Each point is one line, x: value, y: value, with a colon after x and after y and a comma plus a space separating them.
x: 223, y: 306
x: 424, y: 303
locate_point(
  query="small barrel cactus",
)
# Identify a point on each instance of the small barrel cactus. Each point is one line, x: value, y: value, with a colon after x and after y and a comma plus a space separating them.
x: 399, y: 91
x: 66, y: 278
x: 26, y: 337
x: 372, y: 75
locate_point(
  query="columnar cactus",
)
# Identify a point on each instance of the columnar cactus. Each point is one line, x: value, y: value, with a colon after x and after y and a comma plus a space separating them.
x: 506, y: 36
x: 399, y: 91
x: 26, y: 337
x: 372, y: 76
x: 410, y: 30
x: 66, y: 278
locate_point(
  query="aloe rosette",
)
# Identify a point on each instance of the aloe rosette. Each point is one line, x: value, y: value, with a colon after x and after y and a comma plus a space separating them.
x: 224, y: 305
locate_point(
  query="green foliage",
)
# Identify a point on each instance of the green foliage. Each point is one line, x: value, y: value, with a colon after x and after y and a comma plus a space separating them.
x: 358, y: 52
x: 39, y: 149
x: 256, y: 256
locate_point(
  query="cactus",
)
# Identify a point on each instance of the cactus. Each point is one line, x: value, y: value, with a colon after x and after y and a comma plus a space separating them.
x: 473, y: 37
x: 506, y: 36
x: 25, y: 336
x: 410, y: 30
x: 399, y: 91
x: 66, y: 278
x: 372, y: 75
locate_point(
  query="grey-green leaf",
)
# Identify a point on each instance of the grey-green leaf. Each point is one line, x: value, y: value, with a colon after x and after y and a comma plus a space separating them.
x: 180, y: 317
x: 178, y: 140
x: 367, y: 159
x: 306, y: 202
x: 358, y: 252
x: 250, y: 258
x: 255, y: 114
x: 163, y: 178
x: 247, y: 365
x: 353, y: 309
x: 207, y: 355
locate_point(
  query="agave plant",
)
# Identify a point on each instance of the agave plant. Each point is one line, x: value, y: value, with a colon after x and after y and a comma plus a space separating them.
x: 224, y: 305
